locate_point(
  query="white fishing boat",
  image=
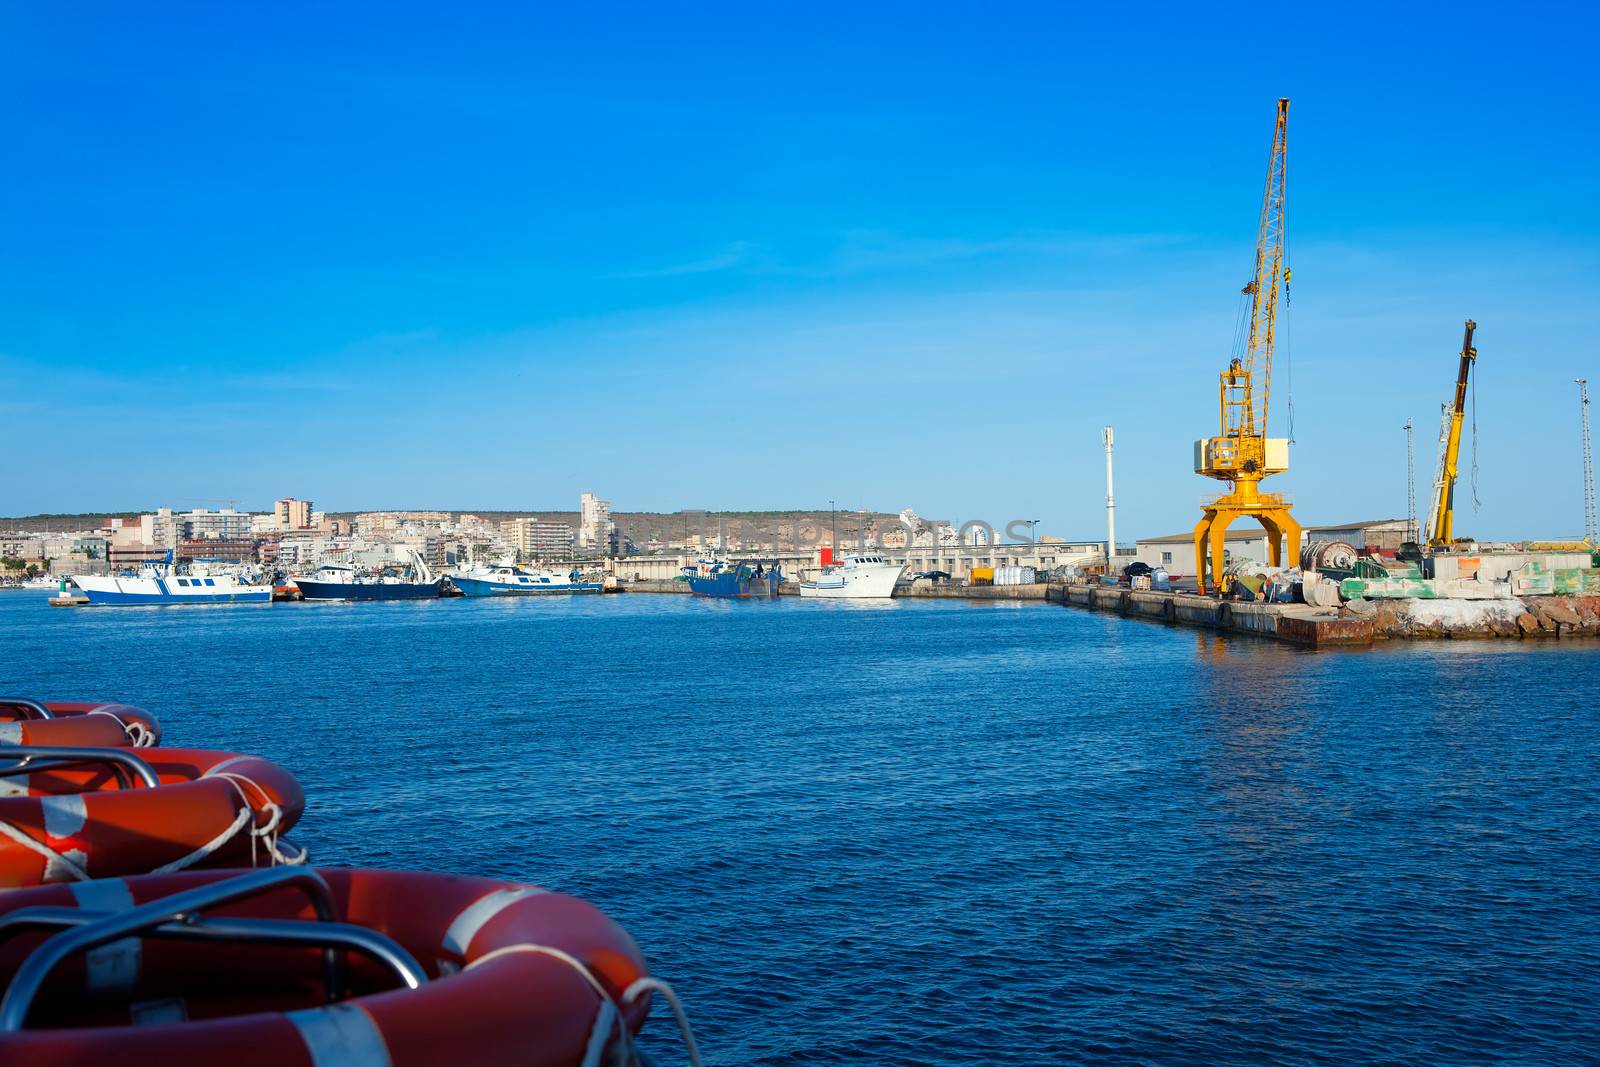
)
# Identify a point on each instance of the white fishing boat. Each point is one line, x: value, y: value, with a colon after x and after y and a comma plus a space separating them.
x: 156, y: 584
x: 505, y: 579
x: 861, y: 576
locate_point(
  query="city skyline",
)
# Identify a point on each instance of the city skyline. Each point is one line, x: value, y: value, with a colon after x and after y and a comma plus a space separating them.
x: 783, y: 266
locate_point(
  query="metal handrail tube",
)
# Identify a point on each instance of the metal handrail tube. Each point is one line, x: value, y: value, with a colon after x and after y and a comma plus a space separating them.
x: 259, y: 931
x: 25, y: 984
x: 33, y: 767
x: 26, y: 754
x: 38, y: 707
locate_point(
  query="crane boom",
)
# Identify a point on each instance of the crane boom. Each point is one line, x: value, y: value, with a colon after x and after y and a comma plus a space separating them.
x: 1263, y: 287
x: 1441, y: 519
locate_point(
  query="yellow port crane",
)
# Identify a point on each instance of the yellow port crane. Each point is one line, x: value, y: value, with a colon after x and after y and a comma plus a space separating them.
x: 1441, y: 518
x: 1242, y: 454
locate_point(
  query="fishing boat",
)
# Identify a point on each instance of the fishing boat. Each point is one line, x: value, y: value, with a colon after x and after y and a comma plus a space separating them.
x: 504, y: 579
x: 859, y: 577
x: 335, y: 582
x: 157, y: 584
x: 742, y: 579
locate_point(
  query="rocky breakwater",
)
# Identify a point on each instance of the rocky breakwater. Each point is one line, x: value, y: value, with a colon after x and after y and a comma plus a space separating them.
x: 1521, y: 617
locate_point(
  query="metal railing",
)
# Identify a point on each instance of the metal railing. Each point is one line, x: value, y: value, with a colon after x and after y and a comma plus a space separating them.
x: 31, y: 759
x: 37, y: 708
x: 176, y: 916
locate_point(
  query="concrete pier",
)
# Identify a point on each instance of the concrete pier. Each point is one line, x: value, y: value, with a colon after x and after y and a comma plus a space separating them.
x: 1355, y: 623
x: 1298, y: 624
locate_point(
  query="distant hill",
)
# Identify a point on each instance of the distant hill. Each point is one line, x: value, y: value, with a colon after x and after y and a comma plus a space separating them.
x: 64, y: 522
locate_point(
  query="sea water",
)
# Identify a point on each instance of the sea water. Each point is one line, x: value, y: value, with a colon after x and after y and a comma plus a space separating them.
x: 941, y: 832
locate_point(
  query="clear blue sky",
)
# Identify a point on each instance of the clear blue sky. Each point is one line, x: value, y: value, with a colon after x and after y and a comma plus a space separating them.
x: 485, y: 256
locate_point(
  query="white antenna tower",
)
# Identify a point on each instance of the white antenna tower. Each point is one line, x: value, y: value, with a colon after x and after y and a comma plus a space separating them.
x: 1111, y: 504
x: 1411, y: 486
x: 1590, y: 534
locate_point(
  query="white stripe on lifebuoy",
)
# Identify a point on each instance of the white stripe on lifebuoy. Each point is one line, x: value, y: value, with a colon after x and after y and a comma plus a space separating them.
x: 341, y: 1035
x: 10, y: 733
x: 63, y: 815
x: 469, y: 922
x: 112, y: 968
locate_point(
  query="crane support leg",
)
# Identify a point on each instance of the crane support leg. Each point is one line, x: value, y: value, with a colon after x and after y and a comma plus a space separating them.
x: 1210, y: 547
x: 1211, y: 536
x: 1202, y: 536
x: 1282, y: 532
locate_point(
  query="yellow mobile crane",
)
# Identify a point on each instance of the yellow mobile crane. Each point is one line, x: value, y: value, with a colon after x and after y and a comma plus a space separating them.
x: 1441, y: 518
x: 1242, y: 454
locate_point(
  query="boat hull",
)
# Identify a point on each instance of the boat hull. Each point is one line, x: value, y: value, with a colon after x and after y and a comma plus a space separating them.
x: 732, y: 587
x: 486, y: 587
x: 164, y: 592
x: 314, y: 590
x: 863, y: 583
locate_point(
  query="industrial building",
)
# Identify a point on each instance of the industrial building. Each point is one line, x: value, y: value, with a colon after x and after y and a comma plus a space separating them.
x: 1175, y: 552
x: 1384, y: 536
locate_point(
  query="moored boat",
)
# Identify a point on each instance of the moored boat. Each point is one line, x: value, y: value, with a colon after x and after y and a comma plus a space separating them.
x: 156, y: 584
x: 333, y: 582
x: 749, y: 579
x: 861, y: 576
x: 504, y: 579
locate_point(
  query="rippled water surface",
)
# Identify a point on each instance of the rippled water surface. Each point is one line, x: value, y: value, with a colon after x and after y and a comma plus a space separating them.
x: 942, y: 833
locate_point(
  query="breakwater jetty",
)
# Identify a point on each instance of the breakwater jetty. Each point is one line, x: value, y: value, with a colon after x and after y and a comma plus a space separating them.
x: 1360, y: 622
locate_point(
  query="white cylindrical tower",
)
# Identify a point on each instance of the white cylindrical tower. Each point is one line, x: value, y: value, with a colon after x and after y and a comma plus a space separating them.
x: 1111, y: 504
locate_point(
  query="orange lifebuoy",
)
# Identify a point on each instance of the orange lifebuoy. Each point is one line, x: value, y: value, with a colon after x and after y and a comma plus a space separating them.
x: 141, y: 727
x: 511, y: 974
x: 69, y: 819
x: 99, y: 731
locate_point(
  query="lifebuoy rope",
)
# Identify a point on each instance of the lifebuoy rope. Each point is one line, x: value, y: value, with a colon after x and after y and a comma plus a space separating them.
x: 268, y: 831
x: 244, y: 816
x: 608, y: 1017
x: 138, y: 733
x: 50, y: 855
x: 648, y: 984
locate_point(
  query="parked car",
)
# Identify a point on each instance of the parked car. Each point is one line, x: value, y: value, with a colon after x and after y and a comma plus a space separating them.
x: 932, y: 576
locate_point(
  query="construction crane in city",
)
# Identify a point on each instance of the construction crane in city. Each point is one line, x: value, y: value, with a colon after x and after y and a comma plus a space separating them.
x: 1242, y: 454
x: 1441, y: 518
x: 1590, y: 534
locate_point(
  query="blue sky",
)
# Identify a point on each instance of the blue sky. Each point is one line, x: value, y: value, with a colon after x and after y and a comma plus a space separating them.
x: 728, y: 258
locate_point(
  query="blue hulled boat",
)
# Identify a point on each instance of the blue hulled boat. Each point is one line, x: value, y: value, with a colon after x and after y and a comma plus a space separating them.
x: 332, y: 582
x: 749, y: 579
x: 158, y: 585
x: 504, y: 579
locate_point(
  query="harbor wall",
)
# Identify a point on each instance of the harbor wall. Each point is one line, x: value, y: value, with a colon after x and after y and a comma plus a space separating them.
x: 924, y: 590
x: 929, y: 591
x: 1356, y: 623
